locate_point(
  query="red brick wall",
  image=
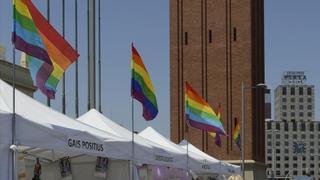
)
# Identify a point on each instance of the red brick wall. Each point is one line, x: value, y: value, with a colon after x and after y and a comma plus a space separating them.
x: 216, y: 69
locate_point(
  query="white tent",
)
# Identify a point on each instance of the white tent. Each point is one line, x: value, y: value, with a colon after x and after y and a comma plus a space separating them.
x: 145, y: 151
x: 225, y: 168
x: 196, y: 163
x: 38, y: 126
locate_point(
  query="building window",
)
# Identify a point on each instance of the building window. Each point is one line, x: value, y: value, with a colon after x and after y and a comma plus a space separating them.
x: 284, y: 91
x: 278, y: 166
x: 292, y: 107
x: 304, y: 166
x: 300, y: 91
x: 311, y: 128
x: 278, y: 136
x: 311, y: 157
x: 309, y: 100
x: 301, y: 107
x: 294, y: 136
x: 278, y: 143
x: 286, y: 136
x: 286, y: 128
x: 269, y: 158
x: 269, y: 143
x: 294, y: 126
x: 312, y: 172
x: 284, y: 114
x: 303, y: 127
x: 278, y: 158
x: 295, y: 158
x: 295, y: 172
x: 278, y: 151
x: 234, y: 34
x: 300, y: 100
x: 312, y: 144
x: 286, y: 157
x: 269, y: 151
x: 301, y: 114
x: 319, y: 127
x: 278, y: 126
x: 292, y: 91
x: 286, y: 143
x: 268, y: 125
x: 309, y: 107
x: 303, y: 158
x: 309, y: 91
x: 284, y: 107
x: 303, y: 136
x: 309, y: 114
x: 286, y: 166
x: 312, y: 165
x: 269, y: 136
x: 293, y: 114
x: 284, y: 99
x: 311, y: 135
x: 295, y: 165
x: 293, y: 100
x: 286, y: 151
x: 278, y: 173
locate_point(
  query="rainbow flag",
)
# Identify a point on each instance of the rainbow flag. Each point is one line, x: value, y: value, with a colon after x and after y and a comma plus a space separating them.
x: 236, y: 133
x: 141, y: 86
x: 49, y: 55
x: 199, y: 114
x: 217, y: 138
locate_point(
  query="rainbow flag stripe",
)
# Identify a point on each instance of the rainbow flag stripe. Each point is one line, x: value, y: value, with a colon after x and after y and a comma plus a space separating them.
x: 49, y: 55
x: 236, y: 133
x: 142, y: 88
x: 199, y: 114
x: 217, y: 138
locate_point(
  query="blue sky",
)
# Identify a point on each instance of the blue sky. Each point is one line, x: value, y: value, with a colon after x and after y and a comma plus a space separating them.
x: 291, y: 43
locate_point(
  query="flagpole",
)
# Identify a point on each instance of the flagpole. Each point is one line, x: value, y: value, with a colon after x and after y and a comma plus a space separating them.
x: 187, y: 128
x: 132, y: 136
x: 13, y: 138
x: 14, y: 116
x: 76, y: 46
x: 242, y: 129
x: 48, y: 19
x: 99, y: 53
x: 63, y: 77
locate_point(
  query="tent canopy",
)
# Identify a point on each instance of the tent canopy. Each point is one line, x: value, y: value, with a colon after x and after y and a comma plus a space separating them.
x: 198, y: 164
x: 145, y: 151
x: 38, y: 126
x: 226, y: 168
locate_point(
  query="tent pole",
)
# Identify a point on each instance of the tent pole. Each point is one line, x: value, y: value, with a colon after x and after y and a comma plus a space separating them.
x: 187, y: 128
x: 132, y: 128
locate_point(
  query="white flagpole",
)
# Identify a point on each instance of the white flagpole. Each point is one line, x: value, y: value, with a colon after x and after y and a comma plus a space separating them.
x: 13, y: 136
x: 132, y: 128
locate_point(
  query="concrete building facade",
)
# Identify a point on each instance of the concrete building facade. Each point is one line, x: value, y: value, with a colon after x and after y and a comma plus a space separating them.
x: 215, y: 45
x: 293, y: 138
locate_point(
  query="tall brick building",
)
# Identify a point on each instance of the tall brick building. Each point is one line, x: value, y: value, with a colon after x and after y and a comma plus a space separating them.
x: 215, y: 45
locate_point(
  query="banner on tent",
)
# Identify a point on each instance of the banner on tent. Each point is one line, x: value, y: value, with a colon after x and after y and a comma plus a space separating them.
x: 161, y: 155
x: 101, y: 167
x: 88, y: 145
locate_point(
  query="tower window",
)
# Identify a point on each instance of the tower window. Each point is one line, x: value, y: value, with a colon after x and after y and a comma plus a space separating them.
x: 186, y: 38
x: 234, y: 34
x: 210, y: 36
